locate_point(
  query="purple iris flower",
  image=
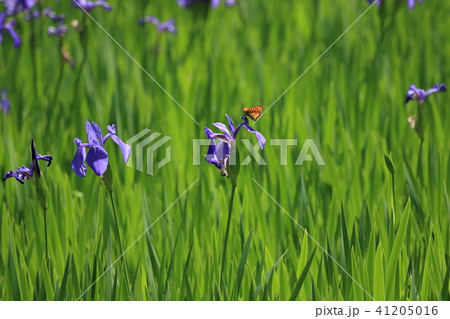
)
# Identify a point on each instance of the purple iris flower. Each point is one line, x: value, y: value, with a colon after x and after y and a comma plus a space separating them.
x: 214, y: 3
x: 378, y: 2
x: 59, y: 30
x: 53, y: 16
x: 35, y: 14
x: 97, y: 157
x: 8, y: 26
x: 4, y: 102
x: 219, y: 154
x: 89, y: 5
x: 411, y: 3
x: 24, y: 172
x: 421, y: 95
x: 14, y: 7
x: 168, y: 26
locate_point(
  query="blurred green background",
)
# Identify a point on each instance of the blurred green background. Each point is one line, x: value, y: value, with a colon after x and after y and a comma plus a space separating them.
x: 350, y: 103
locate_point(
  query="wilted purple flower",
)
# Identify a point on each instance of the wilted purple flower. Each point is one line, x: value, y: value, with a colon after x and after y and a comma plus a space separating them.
x: 4, y: 102
x: 421, y: 95
x: 97, y: 157
x: 53, y: 16
x: 411, y: 3
x: 34, y: 170
x: 219, y: 154
x: 214, y: 3
x: 168, y: 26
x: 8, y: 26
x: 89, y: 5
x: 60, y: 30
x: 412, y: 121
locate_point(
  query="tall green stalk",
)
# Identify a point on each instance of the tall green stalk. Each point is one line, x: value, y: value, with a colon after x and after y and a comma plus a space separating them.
x: 60, y: 74
x: 47, y: 256
x: 122, y: 250
x: 227, y: 231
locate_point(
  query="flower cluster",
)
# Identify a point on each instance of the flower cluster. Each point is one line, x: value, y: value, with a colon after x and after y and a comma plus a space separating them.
x: 88, y: 6
x: 411, y: 3
x: 168, y: 26
x: 214, y: 3
x: 60, y: 29
x: 8, y: 17
x: 14, y: 7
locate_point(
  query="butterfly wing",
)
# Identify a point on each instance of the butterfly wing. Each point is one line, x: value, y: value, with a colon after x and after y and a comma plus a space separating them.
x: 253, y: 112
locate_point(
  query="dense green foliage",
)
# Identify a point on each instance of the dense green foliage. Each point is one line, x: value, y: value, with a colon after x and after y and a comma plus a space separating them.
x: 391, y: 234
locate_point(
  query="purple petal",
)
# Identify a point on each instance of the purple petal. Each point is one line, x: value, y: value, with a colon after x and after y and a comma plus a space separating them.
x: 78, y: 166
x: 15, y: 37
x: 211, y: 155
x: 9, y: 26
x: 259, y: 136
x: 209, y: 134
x: 168, y: 26
x: 215, y: 3
x: 24, y: 172
x: 125, y: 148
x: 222, y: 153
x: 371, y: 1
x: 34, y: 166
x: 4, y: 101
x: 218, y: 154
x: 230, y: 3
x: 97, y: 159
x: 223, y: 128
x: 436, y: 88
x: 149, y: 19
x: 13, y: 174
x: 60, y: 30
x: 230, y: 124
x: 47, y: 158
x: 89, y: 5
x: 415, y: 94
x: 94, y: 134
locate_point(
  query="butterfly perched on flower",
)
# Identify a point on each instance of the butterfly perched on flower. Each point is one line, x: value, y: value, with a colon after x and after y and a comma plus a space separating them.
x: 253, y: 112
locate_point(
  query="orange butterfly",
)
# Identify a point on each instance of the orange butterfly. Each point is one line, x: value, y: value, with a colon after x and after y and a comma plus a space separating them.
x: 253, y: 112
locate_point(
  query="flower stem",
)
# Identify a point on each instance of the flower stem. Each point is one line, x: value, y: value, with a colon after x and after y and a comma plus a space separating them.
x: 60, y: 75
x: 34, y: 61
x: 227, y: 231
x: 116, y: 221
x: 393, y: 191
x: 420, y: 162
x: 47, y: 256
